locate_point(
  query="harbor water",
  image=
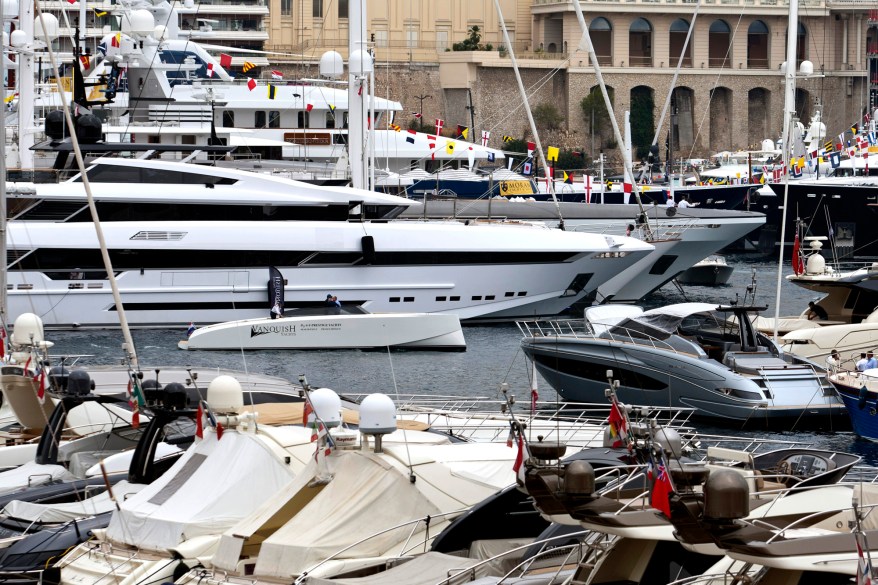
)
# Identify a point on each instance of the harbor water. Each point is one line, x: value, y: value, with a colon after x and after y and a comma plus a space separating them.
x: 493, y: 356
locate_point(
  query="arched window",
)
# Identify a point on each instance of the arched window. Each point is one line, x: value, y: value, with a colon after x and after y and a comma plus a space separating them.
x: 677, y: 36
x: 801, y: 44
x: 601, y: 32
x: 640, y: 43
x: 719, y: 38
x: 757, y: 45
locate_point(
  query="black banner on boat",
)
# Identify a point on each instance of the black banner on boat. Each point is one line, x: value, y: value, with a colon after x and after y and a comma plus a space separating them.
x: 275, y: 291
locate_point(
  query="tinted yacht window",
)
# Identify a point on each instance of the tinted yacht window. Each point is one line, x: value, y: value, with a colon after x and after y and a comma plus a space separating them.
x: 120, y: 174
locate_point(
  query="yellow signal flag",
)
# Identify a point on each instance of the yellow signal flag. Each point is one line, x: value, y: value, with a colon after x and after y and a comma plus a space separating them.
x: 9, y: 98
x: 100, y: 13
x: 465, y: 133
x: 248, y: 66
x: 552, y: 153
x: 449, y: 148
x: 873, y: 149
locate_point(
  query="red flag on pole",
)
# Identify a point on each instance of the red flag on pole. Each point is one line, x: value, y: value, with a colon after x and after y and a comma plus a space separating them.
x: 225, y: 61
x: 199, y: 422
x: 519, y: 457
x: 661, y: 491
x: 798, y: 264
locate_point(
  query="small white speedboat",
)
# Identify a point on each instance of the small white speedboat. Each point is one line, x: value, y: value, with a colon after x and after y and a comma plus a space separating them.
x: 333, y: 328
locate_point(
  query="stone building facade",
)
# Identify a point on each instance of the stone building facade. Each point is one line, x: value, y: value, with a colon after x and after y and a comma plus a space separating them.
x: 729, y: 93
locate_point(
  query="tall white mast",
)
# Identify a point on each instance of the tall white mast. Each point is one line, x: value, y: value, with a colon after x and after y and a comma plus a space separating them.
x: 25, y: 82
x: 359, y: 69
x: 789, y: 108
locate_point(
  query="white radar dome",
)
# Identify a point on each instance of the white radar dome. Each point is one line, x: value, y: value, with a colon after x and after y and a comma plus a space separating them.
x: 360, y: 63
x: 28, y: 330
x: 327, y: 406
x: 377, y: 415
x: 138, y: 22
x: 10, y: 9
x: 331, y: 65
x: 806, y: 68
x: 18, y: 38
x: 224, y: 394
x: 50, y: 21
x: 160, y: 32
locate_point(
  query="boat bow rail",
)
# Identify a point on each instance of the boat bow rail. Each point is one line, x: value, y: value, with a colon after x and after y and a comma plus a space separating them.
x: 580, y: 329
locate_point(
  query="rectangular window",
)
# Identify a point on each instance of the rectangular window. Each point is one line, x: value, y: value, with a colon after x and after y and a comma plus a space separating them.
x: 342, y: 8
x: 455, y: 299
x: 274, y: 119
x: 260, y: 120
x: 286, y: 7
x: 330, y: 119
x: 304, y: 120
x: 408, y: 299
x: 380, y: 38
x: 317, y: 8
x: 477, y: 298
x: 441, y: 41
x: 411, y: 38
x: 441, y: 299
x: 228, y: 119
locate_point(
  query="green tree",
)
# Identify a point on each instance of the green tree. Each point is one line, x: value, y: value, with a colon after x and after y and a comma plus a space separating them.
x: 471, y: 43
x: 594, y: 111
x: 547, y: 117
x: 642, y: 120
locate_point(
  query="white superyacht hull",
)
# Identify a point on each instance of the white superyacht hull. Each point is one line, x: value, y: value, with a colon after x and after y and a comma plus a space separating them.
x: 680, y: 240
x: 171, y: 273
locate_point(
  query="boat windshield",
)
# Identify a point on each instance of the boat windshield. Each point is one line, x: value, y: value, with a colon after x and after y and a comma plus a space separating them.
x: 317, y: 311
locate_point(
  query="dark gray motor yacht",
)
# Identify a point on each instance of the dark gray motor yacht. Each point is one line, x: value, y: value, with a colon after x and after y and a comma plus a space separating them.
x: 695, y: 355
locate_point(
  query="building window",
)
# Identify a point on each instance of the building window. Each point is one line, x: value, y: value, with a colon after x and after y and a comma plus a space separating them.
x: 757, y: 45
x: 342, y: 8
x: 719, y: 41
x: 286, y: 7
x: 411, y: 37
x: 317, y: 8
x: 441, y: 41
x: 640, y: 43
x: 260, y: 120
x: 380, y: 38
x: 274, y: 119
x: 304, y: 120
x: 677, y: 37
x: 601, y: 32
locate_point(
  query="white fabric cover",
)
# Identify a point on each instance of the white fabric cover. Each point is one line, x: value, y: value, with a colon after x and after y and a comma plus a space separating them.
x: 372, y: 492
x: 426, y: 569
x: 31, y: 474
x: 72, y: 510
x: 212, y: 486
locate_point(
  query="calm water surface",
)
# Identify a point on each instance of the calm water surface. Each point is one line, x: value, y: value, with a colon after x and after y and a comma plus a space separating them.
x: 492, y: 357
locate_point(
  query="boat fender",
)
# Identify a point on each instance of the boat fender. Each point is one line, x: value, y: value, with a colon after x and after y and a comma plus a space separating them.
x: 368, y: 243
x: 861, y: 403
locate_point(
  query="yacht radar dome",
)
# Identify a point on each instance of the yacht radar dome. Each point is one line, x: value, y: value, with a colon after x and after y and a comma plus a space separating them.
x: 10, y: 9
x: 360, y: 63
x: 377, y: 415
x: 138, y: 22
x: 18, y: 38
x: 327, y: 406
x: 768, y: 144
x: 331, y: 65
x: 160, y: 32
x: 224, y: 394
x: 670, y: 442
x: 51, y: 27
x: 28, y: 331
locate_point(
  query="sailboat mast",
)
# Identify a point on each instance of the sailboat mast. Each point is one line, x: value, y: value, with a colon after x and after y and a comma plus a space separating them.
x: 617, y: 134
x: 4, y: 305
x: 530, y: 117
x: 80, y: 163
x: 789, y: 107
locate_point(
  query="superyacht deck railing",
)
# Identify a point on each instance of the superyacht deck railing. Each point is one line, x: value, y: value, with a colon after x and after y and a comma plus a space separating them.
x: 580, y: 329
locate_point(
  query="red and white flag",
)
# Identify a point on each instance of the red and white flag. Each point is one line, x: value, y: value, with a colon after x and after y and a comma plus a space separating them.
x: 798, y: 263
x: 210, y: 69
x: 439, y: 124
x: 275, y: 74
x: 587, y: 184
x: 662, y: 489
x: 417, y: 115
x: 251, y: 83
x: 486, y: 135
x: 864, y: 564
x: 531, y: 147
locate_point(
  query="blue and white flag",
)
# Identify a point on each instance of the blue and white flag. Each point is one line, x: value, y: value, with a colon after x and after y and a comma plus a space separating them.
x: 835, y: 160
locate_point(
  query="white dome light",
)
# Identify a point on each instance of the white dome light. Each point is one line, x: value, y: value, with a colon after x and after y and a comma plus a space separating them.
x: 51, y: 24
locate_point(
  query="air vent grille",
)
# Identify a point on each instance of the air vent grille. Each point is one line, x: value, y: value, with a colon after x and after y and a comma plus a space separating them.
x: 152, y: 236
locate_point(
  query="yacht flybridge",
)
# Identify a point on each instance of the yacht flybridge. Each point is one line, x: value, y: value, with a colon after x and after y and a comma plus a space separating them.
x: 195, y: 246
